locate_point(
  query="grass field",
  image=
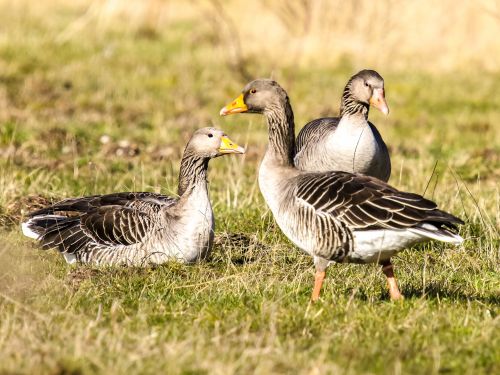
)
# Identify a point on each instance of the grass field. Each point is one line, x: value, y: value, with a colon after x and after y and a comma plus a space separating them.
x: 86, y: 108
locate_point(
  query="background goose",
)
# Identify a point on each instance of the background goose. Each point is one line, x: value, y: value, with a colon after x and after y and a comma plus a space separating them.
x: 350, y: 142
x: 138, y: 228
x: 336, y: 216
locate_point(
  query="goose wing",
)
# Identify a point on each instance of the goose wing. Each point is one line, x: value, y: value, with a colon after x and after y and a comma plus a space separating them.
x: 314, y: 131
x: 364, y: 202
x: 113, y: 219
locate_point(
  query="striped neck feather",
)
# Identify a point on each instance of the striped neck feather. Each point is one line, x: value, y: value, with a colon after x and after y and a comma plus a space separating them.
x: 193, y: 172
x: 281, y: 126
x: 349, y: 106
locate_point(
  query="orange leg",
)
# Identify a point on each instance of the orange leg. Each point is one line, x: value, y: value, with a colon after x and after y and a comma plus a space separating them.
x: 318, y: 282
x: 388, y: 270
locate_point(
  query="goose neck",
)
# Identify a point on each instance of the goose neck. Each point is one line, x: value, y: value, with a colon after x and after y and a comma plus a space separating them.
x: 193, y: 173
x: 350, y: 107
x: 281, y: 129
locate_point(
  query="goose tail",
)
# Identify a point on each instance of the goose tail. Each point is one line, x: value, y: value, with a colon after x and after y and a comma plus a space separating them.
x: 36, y: 226
x: 30, y: 230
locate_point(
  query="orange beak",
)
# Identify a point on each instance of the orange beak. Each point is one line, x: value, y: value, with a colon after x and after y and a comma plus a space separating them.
x: 378, y: 101
x: 236, y: 106
x: 229, y: 147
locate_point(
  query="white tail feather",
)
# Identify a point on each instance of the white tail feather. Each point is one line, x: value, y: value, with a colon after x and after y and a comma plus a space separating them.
x: 28, y: 232
x: 70, y: 258
x: 434, y: 233
x: 27, y: 226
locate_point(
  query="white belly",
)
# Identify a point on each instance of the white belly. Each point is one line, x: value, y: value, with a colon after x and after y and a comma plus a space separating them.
x: 353, y: 149
x: 273, y: 188
x: 188, y: 237
x: 194, y: 235
x: 269, y: 184
x: 372, y: 246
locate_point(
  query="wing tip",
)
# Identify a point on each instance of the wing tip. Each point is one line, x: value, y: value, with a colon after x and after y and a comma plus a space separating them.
x: 453, y: 238
x: 438, y: 234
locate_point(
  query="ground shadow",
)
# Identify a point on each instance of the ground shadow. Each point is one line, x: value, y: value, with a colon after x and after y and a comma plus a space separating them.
x: 437, y: 291
x: 239, y: 248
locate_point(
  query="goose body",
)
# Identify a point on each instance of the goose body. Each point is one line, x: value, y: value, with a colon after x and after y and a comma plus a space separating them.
x: 138, y: 228
x: 350, y: 142
x: 126, y: 228
x: 345, y: 217
x: 336, y: 216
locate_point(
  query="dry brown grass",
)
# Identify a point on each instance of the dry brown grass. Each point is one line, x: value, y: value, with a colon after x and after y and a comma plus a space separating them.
x: 435, y: 36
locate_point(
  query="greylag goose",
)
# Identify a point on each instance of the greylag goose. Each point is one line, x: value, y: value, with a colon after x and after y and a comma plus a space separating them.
x: 138, y: 228
x: 350, y: 143
x: 336, y: 216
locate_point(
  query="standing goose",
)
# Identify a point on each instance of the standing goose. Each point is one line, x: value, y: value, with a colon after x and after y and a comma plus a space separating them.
x: 350, y: 143
x: 138, y: 228
x: 336, y: 216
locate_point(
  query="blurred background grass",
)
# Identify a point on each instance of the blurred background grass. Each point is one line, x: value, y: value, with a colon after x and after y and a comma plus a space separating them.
x: 101, y: 96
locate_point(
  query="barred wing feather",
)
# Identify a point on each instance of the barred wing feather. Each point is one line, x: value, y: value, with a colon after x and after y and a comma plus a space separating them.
x: 364, y: 202
x: 314, y: 131
x: 113, y: 219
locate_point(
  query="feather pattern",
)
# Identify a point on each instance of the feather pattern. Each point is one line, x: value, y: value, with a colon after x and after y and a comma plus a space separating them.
x: 122, y: 228
x: 351, y: 203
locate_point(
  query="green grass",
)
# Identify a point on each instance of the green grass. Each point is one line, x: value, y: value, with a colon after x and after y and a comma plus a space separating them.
x: 247, y: 309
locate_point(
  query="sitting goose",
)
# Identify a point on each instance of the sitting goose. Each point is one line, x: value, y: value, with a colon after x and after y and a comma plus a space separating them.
x: 336, y: 216
x: 138, y: 228
x: 350, y: 143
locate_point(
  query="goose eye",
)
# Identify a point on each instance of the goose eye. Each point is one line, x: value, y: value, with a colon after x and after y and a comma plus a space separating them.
x: 367, y: 84
x: 253, y: 91
x: 210, y: 135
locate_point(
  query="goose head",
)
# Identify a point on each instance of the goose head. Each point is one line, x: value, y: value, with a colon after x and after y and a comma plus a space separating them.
x: 367, y: 87
x: 210, y: 143
x: 258, y: 96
